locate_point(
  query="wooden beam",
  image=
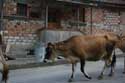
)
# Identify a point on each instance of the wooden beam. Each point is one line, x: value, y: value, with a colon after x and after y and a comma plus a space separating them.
x: 78, y: 14
x: 1, y: 14
x: 46, y: 19
x: 91, y: 23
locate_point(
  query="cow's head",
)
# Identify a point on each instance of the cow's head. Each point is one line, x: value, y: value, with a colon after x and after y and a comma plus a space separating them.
x: 121, y: 43
x: 57, y: 49
x: 113, y: 37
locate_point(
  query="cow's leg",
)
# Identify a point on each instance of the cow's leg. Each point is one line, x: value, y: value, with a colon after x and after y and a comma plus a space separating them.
x: 102, y: 72
x: 113, y: 64
x: 73, y: 70
x: 124, y: 65
x: 112, y: 71
x: 82, y: 62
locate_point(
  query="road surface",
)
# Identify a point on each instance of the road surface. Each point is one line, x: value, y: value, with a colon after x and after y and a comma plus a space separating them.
x: 61, y: 73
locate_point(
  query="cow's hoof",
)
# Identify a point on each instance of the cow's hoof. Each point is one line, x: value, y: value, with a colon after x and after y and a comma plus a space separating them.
x: 70, y: 80
x: 89, y: 78
x: 100, y: 77
x: 111, y: 74
x: 123, y: 72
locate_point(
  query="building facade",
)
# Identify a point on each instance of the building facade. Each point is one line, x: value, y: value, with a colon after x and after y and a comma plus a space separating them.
x: 23, y: 18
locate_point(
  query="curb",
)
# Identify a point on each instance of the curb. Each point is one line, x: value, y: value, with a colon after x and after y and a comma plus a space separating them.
x: 35, y: 64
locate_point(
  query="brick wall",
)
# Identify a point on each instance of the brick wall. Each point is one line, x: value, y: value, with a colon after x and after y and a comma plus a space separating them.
x: 21, y: 32
x: 97, y: 15
x: 123, y: 18
x: 105, y: 19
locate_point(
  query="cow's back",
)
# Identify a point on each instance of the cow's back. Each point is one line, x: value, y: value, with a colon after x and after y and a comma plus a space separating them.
x: 87, y: 46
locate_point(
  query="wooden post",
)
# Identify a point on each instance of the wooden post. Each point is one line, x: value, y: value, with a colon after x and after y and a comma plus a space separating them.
x: 78, y: 12
x: 46, y: 23
x: 1, y: 14
x: 46, y: 19
x: 91, y: 23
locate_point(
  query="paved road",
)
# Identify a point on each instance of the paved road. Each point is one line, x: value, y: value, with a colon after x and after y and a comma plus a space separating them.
x: 61, y: 73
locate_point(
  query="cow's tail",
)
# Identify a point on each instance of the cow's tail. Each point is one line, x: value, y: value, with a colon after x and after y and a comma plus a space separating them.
x: 113, y: 63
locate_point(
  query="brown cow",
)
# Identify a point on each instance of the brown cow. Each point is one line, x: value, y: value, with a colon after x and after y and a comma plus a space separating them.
x: 121, y: 46
x: 83, y: 48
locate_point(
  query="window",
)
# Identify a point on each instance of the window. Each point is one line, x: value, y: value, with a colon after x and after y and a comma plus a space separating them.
x: 21, y: 9
x: 54, y: 15
x: 82, y: 14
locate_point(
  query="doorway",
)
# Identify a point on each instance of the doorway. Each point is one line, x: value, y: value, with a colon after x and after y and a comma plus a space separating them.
x: 54, y: 18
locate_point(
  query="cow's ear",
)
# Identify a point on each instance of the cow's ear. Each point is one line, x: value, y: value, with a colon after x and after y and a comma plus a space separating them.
x: 106, y: 37
x: 51, y: 44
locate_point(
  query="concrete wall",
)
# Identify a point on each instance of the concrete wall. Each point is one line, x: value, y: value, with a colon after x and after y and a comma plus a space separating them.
x: 56, y: 36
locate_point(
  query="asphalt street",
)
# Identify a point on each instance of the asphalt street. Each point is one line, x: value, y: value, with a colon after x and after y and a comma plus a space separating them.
x: 61, y: 73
